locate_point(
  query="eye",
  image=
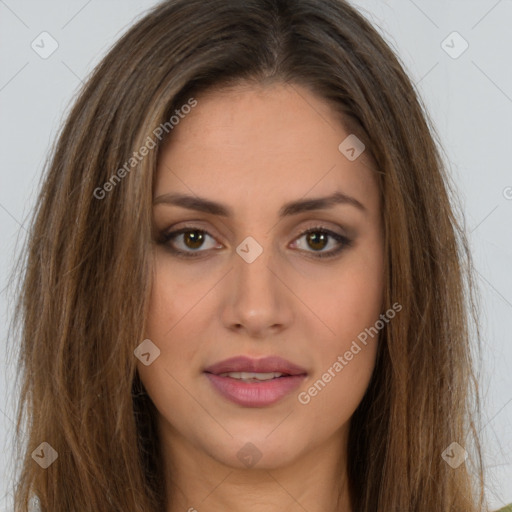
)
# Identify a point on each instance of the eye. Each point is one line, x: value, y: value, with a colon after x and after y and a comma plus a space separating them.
x: 187, y: 241
x: 318, y: 238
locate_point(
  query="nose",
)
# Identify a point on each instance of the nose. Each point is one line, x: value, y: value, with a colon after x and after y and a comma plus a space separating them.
x: 257, y: 301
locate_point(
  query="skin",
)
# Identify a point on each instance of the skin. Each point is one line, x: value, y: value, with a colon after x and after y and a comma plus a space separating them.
x: 254, y: 148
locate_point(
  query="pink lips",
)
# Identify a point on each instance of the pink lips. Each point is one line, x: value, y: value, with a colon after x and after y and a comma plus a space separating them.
x: 255, y: 394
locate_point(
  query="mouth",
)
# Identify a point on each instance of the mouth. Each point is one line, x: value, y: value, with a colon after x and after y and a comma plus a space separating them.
x: 253, y: 376
x: 255, y: 382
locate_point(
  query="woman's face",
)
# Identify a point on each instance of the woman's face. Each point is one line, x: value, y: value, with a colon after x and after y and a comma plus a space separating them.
x: 256, y: 169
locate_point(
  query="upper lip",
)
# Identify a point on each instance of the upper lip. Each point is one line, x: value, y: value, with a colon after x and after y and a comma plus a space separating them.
x: 263, y: 365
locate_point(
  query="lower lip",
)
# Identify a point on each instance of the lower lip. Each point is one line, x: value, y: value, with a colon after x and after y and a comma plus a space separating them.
x: 255, y: 394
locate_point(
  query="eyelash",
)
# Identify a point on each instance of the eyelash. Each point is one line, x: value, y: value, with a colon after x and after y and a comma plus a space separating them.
x: 341, y: 239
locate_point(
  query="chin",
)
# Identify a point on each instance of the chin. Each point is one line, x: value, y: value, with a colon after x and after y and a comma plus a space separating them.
x: 258, y: 451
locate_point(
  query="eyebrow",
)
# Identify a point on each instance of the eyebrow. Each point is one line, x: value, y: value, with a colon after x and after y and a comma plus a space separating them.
x: 291, y: 208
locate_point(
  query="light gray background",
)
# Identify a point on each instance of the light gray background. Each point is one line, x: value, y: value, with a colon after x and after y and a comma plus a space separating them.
x: 469, y: 99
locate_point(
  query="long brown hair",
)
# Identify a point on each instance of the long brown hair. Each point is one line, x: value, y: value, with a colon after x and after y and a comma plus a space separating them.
x: 87, y: 268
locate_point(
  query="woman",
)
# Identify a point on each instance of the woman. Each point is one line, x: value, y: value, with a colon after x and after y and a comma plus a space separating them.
x: 245, y: 283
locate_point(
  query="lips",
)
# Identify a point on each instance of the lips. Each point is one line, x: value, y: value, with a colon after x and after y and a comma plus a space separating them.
x: 271, y: 364
x: 255, y: 382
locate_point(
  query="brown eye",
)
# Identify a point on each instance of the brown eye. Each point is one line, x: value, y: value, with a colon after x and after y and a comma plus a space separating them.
x: 193, y: 239
x: 188, y: 242
x: 317, y: 240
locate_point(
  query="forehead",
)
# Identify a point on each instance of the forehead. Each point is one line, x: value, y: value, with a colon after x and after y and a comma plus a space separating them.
x: 265, y: 143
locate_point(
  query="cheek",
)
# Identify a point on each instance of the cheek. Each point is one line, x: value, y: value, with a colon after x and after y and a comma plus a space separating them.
x: 349, y: 297
x: 176, y: 296
x: 345, y: 364
x: 170, y: 301
x: 349, y: 304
